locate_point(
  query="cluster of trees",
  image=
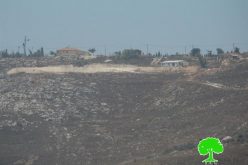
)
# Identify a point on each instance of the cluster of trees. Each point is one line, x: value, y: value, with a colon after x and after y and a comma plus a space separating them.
x: 158, y: 54
x: 6, y: 54
x: 220, y: 51
x: 128, y: 53
x: 37, y: 53
x: 236, y: 50
x: 196, y: 52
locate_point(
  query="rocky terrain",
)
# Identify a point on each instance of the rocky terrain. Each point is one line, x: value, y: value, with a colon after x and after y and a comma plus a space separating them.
x: 120, y: 118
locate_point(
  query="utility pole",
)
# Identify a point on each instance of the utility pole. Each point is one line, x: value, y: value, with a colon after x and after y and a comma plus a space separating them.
x: 147, y: 49
x: 105, y: 50
x: 25, y: 44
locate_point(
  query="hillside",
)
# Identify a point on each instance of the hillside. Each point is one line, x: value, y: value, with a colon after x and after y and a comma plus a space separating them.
x: 120, y: 118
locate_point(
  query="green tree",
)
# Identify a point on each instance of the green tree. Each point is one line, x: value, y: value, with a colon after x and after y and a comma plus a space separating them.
x: 52, y: 53
x: 42, y: 52
x: 5, y: 53
x: 202, y: 61
x: 158, y: 54
x: 219, y: 51
x: 92, y: 50
x: 131, y: 53
x: 38, y: 53
x: 209, y: 146
x: 195, y: 52
x: 237, y: 50
x: 18, y: 54
x: 117, y: 53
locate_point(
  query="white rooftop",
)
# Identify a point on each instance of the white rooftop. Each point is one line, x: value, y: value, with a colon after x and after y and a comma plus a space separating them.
x: 174, y: 61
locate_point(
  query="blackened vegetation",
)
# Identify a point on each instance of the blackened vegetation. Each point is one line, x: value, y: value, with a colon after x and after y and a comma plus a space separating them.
x: 118, y: 118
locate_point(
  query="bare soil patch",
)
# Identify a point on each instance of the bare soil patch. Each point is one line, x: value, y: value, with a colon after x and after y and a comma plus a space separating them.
x: 92, y: 68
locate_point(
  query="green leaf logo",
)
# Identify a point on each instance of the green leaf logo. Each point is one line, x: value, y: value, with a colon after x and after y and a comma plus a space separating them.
x: 210, y: 146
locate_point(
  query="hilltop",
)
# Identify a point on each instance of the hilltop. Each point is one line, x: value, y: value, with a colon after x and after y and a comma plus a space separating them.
x: 120, y: 118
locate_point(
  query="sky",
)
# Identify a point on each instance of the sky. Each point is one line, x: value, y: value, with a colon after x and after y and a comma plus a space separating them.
x: 168, y: 26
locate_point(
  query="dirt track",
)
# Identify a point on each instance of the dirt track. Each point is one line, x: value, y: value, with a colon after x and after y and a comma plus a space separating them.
x: 93, y: 68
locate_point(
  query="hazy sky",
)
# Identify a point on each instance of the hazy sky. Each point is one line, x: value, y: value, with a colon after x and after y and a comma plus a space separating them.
x: 166, y: 25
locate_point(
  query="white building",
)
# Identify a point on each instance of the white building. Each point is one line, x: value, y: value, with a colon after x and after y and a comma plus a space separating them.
x: 175, y: 63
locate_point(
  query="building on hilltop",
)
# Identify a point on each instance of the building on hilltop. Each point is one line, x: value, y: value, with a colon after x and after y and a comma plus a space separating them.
x: 175, y: 63
x: 73, y: 52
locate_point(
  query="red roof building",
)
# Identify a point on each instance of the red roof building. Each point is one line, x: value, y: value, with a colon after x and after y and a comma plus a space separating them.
x: 72, y: 52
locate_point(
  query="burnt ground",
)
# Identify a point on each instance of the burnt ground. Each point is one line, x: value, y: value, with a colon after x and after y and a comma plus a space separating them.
x: 235, y: 76
x: 121, y: 118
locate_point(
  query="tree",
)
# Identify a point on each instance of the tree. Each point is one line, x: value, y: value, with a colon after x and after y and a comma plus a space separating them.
x: 42, y: 51
x: 92, y: 50
x: 117, y: 53
x: 52, y: 53
x: 30, y: 52
x: 5, y: 53
x: 195, y: 52
x: 236, y: 50
x: 158, y: 54
x: 202, y: 61
x: 38, y: 53
x: 131, y: 53
x: 18, y: 54
x: 209, y: 146
x: 219, y: 51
